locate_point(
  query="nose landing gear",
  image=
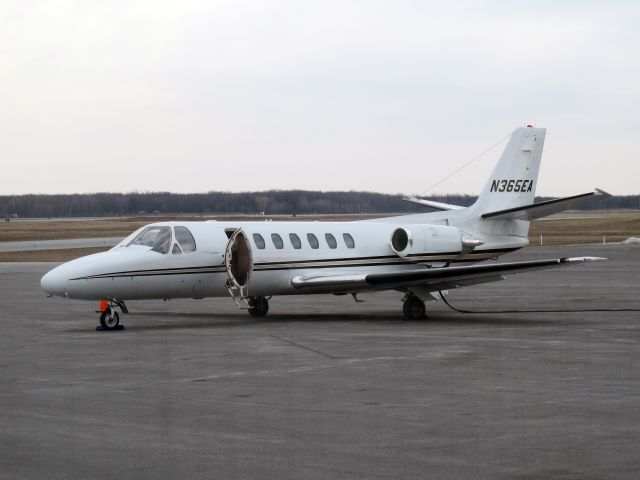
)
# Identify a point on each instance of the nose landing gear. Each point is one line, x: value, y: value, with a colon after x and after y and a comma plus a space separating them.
x: 413, y: 308
x: 258, y: 306
x: 109, y: 317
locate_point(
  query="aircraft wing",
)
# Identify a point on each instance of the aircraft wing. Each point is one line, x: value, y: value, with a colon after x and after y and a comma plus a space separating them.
x: 548, y: 207
x: 432, y: 278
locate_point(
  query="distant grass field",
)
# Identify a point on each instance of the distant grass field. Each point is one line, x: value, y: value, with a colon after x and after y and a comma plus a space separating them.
x: 564, y: 229
x: 585, y: 227
x: 19, y: 230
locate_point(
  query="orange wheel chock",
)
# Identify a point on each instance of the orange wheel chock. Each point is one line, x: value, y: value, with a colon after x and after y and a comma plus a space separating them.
x: 103, y: 305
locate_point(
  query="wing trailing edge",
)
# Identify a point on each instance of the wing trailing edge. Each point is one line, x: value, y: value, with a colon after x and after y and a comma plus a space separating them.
x: 433, y: 278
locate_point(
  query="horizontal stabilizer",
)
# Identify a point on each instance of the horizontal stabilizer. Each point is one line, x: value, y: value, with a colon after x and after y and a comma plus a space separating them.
x: 432, y: 204
x: 433, y: 279
x: 548, y: 207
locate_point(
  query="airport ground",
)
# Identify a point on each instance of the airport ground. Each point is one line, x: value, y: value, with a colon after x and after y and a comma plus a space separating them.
x: 327, y: 388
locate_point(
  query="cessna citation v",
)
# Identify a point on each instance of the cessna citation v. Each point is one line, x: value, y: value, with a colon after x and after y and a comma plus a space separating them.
x: 418, y: 255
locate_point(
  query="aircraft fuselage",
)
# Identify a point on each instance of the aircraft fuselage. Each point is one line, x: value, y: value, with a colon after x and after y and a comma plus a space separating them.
x: 279, y: 251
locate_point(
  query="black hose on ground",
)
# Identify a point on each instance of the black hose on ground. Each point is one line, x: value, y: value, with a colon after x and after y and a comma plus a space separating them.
x: 460, y: 310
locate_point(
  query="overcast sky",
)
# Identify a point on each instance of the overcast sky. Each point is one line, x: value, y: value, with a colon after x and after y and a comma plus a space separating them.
x: 192, y: 96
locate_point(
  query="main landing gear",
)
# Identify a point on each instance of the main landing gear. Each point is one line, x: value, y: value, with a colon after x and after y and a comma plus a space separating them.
x: 413, y: 308
x: 258, y: 306
x: 109, y: 317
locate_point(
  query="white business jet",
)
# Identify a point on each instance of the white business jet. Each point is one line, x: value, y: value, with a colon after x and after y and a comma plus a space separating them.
x: 418, y: 255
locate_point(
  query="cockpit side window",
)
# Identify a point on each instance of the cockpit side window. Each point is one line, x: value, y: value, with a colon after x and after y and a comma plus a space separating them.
x: 185, y: 239
x: 156, y: 237
x: 176, y: 249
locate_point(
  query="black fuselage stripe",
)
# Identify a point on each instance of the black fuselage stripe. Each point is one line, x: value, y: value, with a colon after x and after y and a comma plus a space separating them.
x: 308, y: 264
x: 164, y: 271
x: 383, y: 257
x: 387, y: 260
x: 152, y: 273
x: 354, y: 265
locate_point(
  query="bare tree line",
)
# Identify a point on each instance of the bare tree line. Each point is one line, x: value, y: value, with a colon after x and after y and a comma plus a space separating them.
x: 271, y: 202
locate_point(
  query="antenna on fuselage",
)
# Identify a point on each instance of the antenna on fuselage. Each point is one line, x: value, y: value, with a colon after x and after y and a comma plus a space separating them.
x: 484, y: 152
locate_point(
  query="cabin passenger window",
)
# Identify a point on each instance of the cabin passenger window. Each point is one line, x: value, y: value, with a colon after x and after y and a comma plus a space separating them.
x: 258, y: 240
x: 348, y: 240
x: 277, y: 241
x: 331, y: 240
x: 313, y: 241
x: 295, y: 241
x: 176, y: 249
x: 156, y: 237
x: 185, y: 239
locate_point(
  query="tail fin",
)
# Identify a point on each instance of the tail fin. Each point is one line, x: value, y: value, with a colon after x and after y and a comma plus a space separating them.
x: 513, y: 180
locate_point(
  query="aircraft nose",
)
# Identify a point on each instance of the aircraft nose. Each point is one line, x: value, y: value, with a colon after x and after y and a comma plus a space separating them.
x: 54, y: 282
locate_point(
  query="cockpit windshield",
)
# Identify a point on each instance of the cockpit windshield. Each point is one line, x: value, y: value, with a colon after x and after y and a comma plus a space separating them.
x: 158, y: 238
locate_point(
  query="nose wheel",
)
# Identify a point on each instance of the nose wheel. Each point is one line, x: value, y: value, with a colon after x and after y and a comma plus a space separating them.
x: 109, y: 317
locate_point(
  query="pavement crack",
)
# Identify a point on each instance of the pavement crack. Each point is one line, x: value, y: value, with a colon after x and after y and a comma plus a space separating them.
x: 290, y: 342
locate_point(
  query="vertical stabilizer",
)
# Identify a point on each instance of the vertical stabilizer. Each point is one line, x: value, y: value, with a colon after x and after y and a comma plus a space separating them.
x: 514, y: 179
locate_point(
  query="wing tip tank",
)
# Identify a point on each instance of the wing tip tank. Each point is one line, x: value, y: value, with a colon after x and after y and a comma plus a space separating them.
x: 581, y: 259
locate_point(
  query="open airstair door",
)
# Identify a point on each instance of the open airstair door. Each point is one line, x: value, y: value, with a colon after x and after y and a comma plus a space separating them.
x: 239, y: 264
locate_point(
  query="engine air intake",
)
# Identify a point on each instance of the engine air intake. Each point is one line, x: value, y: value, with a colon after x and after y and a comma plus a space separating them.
x: 401, y: 241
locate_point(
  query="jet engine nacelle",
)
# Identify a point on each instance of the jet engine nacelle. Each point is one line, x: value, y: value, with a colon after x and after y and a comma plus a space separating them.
x: 421, y: 239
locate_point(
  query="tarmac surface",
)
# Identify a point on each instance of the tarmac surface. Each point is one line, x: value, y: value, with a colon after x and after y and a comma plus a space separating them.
x: 324, y: 388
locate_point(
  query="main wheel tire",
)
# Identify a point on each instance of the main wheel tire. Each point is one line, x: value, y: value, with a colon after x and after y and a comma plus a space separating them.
x: 109, y: 319
x: 259, y: 307
x: 413, y: 308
